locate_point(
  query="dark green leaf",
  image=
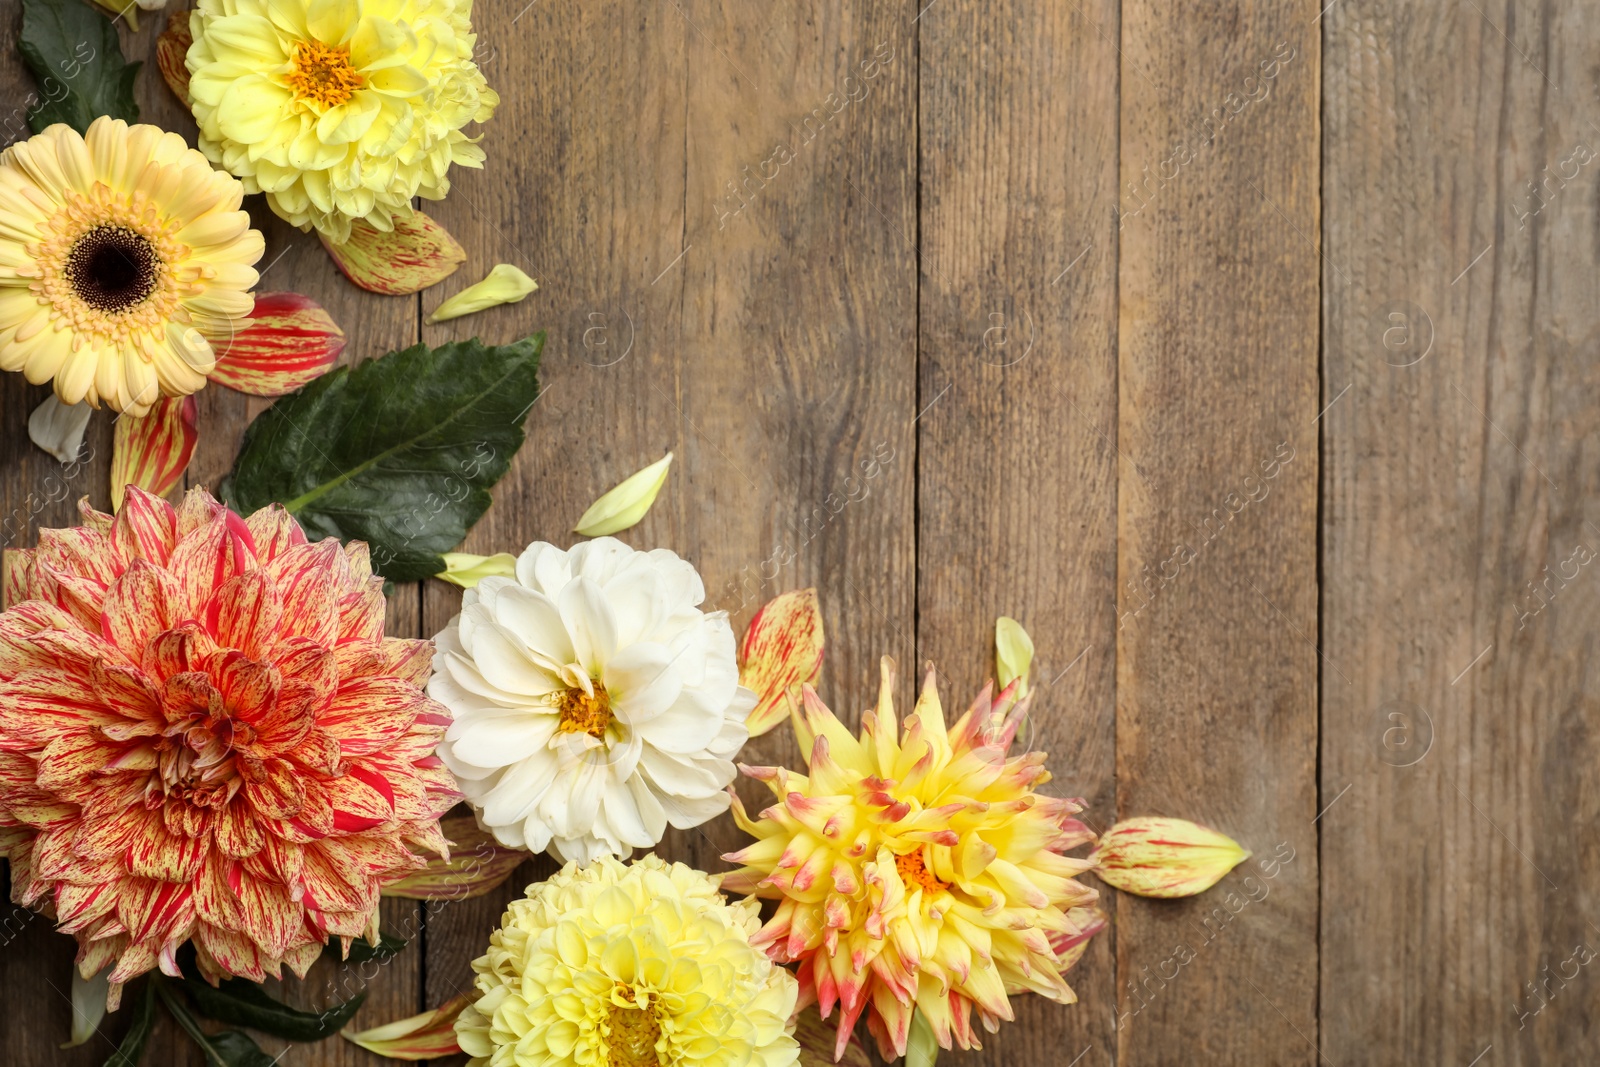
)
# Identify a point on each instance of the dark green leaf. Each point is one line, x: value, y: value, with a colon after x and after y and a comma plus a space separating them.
x: 131, y: 1050
x: 76, y: 59
x: 398, y: 452
x: 227, y: 1049
x: 240, y: 1050
x: 244, y: 1003
x: 363, y: 951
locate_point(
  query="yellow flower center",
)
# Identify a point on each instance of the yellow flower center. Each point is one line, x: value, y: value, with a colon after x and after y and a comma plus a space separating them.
x: 322, y: 74
x: 582, y: 713
x: 914, y: 872
x: 105, y: 266
x: 631, y: 1037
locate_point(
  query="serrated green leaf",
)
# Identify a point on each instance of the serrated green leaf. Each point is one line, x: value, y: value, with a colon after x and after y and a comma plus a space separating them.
x: 131, y: 1051
x: 244, y: 1003
x: 364, y: 951
x: 399, y: 452
x: 77, y: 61
x: 230, y: 1048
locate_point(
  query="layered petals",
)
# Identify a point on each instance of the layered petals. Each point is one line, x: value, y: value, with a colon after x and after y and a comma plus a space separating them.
x: 918, y: 874
x: 205, y: 737
x: 594, y: 704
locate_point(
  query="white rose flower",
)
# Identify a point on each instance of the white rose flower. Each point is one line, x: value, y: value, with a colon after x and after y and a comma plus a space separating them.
x: 594, y: 701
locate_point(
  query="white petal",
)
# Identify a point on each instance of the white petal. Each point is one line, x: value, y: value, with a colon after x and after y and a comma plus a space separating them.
x: 683, y: 729
x: 59, y: 428
x: 503, y: 662
x: 685, y: 812
x: 519, y: 790
x: 501, y: 740
x: 673, y: 776
x: 590, y: 622
x: 622, y: 813
x: 650, y: 810
x: 543, y: 566
x: 534, y: 618
x: 638, y: 598
x: 643, y: 682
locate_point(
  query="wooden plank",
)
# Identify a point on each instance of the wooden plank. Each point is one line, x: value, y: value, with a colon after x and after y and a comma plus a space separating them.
x: 1016, y: 472
x: 1459, y: 879
x: 760, y: 327
x: 1216, y: 664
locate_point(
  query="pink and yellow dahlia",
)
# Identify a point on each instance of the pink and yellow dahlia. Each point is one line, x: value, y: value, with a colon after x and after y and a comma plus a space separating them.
x: 205, y: 736
x: 918, y: 873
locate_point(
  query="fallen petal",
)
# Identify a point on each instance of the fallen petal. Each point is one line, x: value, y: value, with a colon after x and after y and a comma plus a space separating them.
x: 1161, y: 857
x: 421, y: 1037
x: 417, y: 253
x: 1013, y: 653
x: 466, y: 570
x: 625, y: 505
x: 477, y: 865
x: 152, y: 452
x: 59, y: 428
x: 287, y: 341
x: 88, y: 1005
x: 504, y: 285
x: 171, y: 47
x: 781, y: 651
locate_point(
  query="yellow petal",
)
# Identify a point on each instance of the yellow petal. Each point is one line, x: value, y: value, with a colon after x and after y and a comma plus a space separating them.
x: 1013, y: 653
x: 1161, y: 857
x: 625, y: 505
x: 504, y: 285
x: 466, y: 570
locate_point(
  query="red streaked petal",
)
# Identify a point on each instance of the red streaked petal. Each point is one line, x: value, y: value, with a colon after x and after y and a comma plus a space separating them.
x: 781, y: 651
x: 152, y: 452
x: 286, y: 341
x: 417, y: 253
x: 421, y: 1037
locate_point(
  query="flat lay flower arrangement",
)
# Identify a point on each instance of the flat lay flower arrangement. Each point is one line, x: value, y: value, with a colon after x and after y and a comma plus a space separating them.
x: 213, y: 762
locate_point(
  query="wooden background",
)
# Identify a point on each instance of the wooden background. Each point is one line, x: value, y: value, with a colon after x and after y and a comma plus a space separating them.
x: 1245, y: 351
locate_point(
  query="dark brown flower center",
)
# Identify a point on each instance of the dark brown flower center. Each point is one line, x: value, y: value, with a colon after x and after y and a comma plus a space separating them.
x: 583, y: 713
x: 112, y: 268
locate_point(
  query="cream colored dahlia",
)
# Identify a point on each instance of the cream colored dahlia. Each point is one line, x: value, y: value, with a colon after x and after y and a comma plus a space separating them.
x: 594, y: 702
x: 619, y: 965
x: 338, y: 109
x: 205, y: 736
x: 122, y: 253
x: 920, y: 872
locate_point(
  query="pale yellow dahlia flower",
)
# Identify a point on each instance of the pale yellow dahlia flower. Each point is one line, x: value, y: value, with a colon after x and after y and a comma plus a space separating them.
x: 121, y: 253
x: 918, y: 873
x: 618, y: 965
x: 337, y: 109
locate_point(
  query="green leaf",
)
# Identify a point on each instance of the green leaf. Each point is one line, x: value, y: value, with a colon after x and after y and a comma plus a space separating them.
x: 230, y: 1048
x: 363, y: 951
x: 398, y: 452
x: 76, y: 59
x: 131, y: 1051
x: 244, y: 1003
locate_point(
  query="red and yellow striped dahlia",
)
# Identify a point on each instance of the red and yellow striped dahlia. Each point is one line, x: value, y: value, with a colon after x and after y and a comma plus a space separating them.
x: 204, y: 735
x: 920, y: 873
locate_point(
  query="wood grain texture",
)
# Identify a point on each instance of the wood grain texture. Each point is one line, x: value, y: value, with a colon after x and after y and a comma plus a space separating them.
x: 755, y: 318
x: 1016, y: 468
x: 1216, y: 665
x: 1460, y: 878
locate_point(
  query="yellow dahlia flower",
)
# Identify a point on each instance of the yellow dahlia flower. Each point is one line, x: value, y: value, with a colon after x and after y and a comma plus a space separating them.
x: 121, y: 252
x: 620, y: 965
x: 337, y: 109
x: 919, y: 873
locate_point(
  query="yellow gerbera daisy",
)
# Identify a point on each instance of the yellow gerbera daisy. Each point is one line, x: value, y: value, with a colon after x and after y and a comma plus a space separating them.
x: 628, y: 966
x: 121, y: 252
x: 337, y: 109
